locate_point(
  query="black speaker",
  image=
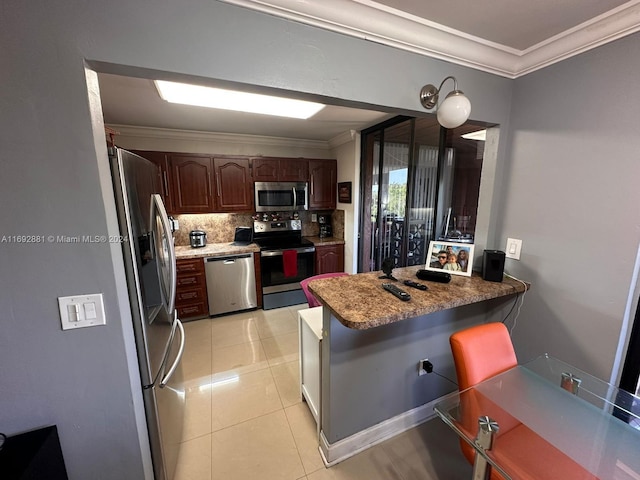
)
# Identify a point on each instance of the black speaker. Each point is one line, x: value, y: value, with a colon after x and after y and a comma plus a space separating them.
x: 493, y: 265
x: 442, y: 277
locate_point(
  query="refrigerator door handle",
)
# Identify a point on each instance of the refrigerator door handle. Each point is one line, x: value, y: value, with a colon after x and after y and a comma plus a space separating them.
x: 176, y: 362
x: 157, y: 208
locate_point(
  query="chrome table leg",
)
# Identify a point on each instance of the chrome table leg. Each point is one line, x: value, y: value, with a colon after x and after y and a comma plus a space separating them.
x: 484, y: 441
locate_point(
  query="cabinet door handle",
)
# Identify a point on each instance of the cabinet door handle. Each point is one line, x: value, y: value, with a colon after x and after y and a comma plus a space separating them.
x: 166, y: 183
x: 219, y: 187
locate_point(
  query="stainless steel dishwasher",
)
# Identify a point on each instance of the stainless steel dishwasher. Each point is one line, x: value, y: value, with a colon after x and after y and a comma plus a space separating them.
x: 231, y: 283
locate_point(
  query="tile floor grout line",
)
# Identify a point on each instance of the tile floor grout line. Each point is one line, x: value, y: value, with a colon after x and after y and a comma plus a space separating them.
x: 248, y: 420
x: 295, y: 442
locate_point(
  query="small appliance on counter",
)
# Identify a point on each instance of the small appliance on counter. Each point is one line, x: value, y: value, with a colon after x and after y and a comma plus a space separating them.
x: 197, y: 238
x: 243, y: 236
x: 326, y: 230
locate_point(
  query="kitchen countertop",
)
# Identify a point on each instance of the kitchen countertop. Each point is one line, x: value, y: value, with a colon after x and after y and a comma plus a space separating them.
x: 359, y: 301
x: 214, y: 249
x: 320, y: 242
x: 226, y: 248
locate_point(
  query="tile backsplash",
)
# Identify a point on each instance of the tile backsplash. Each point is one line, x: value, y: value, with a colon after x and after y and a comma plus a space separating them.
x: 220, y: 227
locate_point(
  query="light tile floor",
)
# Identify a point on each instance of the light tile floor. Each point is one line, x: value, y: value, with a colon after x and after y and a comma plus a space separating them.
x: 245, y: 420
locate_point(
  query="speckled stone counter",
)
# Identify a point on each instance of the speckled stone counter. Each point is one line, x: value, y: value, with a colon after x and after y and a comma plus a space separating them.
x: 319, y: 242
x: 360, y: 302
x: 214, y: 249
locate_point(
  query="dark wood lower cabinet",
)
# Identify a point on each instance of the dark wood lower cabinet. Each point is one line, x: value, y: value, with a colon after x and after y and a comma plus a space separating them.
x: 329, y: 259
x: 191, y: 294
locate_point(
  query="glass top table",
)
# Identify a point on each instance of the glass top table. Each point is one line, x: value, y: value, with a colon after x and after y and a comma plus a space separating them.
x: 547, y: 419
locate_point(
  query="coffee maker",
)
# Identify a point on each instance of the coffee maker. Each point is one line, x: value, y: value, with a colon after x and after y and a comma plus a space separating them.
x: 326, y: 230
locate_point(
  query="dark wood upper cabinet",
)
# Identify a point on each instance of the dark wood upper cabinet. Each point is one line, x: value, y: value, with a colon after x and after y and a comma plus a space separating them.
x: 193, y: 183
x: 294, y: 169
x: 234, y: 186
x: 322, y: 184
x: 265, y: 169
x: 280, y: 169
x: 192, y: 190
x: 161, y: 160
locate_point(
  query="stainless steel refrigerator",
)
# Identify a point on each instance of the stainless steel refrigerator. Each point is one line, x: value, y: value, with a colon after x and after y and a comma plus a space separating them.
x: 150, y: 265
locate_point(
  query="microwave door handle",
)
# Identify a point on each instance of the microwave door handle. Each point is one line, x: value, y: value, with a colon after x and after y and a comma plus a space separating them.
x: 295, y: 198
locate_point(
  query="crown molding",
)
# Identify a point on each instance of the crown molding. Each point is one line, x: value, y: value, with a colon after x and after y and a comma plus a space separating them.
x: 373, y: 22
x: 344, y: 137
x: 214, y: 137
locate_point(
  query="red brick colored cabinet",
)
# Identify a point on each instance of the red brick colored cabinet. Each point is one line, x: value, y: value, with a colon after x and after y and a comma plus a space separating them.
x: 161, y: 160
x: 329, y: 259
x: 280, y: 169
x: 191, y: 183
x: 191, y: 292
x: 322, y: 184
x: 234, y: 186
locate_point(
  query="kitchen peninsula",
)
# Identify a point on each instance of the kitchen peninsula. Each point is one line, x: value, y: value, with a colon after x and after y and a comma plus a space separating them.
x: 372, y: 344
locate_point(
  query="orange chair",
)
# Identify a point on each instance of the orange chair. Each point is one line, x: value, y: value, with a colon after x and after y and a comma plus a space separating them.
x: 311, y: 300
x: 480, y: 353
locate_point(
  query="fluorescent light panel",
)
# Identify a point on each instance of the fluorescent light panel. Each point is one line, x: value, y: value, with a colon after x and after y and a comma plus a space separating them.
x: 238, y: 101
x: 479, y: 135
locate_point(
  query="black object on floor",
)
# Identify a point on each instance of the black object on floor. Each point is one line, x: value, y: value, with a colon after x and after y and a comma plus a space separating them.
x: 34, y: 455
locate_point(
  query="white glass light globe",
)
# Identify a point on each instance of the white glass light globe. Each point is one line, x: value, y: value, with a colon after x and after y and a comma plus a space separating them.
x: 454, y: 110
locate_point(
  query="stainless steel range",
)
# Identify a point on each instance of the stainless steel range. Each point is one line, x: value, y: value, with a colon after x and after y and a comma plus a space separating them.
x: 285, y: 259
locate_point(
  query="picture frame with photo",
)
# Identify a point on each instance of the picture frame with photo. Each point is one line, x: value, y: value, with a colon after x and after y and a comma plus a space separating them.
x: 445, y: 257
x: 344, y: 192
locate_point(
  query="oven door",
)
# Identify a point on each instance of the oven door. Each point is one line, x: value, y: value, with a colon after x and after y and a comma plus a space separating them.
x: 276, y: 278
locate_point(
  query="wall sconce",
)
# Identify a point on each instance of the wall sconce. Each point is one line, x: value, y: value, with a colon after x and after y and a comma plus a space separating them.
x: 453, y: 111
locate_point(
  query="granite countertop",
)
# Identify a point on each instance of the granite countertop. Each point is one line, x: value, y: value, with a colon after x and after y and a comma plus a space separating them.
x: 214, y: 249
x: 359, y: 301
x: 319, y: 242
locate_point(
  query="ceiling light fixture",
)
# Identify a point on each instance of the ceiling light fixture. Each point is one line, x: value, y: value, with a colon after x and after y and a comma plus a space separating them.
x: 453, y: 111
x: 234, y: 100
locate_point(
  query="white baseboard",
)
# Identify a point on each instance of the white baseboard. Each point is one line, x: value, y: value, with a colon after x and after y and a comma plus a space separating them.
x: 333, y: 453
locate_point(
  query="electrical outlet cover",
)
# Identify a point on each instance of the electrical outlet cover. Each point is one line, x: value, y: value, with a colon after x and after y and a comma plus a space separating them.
x: 514, y: 246
x: 79, y: 311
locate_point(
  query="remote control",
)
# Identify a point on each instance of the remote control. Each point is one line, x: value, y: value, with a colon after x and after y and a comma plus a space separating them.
x: 398, y: 292
x: 419, y: 286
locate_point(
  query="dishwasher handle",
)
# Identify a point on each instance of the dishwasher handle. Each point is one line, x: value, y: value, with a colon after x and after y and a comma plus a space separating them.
x: 228, y: 259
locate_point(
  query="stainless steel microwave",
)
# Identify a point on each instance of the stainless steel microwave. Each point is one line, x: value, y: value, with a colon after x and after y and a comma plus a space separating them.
x: 281, y: 196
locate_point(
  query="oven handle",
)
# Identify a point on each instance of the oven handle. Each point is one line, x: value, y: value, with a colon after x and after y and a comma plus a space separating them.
x: 278, y: 253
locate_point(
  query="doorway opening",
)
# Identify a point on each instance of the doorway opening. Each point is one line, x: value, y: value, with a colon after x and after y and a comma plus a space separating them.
x: 420, y: 182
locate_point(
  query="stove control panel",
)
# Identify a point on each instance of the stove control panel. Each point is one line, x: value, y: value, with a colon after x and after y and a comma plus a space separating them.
x: 260, y: 226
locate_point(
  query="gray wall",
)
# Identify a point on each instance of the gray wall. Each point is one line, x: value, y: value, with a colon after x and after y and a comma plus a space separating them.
x: 567, y: 168
x: 369, y: 376
x: 572, y: 194
x: 55, y: 182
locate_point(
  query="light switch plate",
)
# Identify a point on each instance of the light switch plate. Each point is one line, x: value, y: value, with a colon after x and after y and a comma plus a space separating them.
x: 80, y: 311
x: 514, y: 246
